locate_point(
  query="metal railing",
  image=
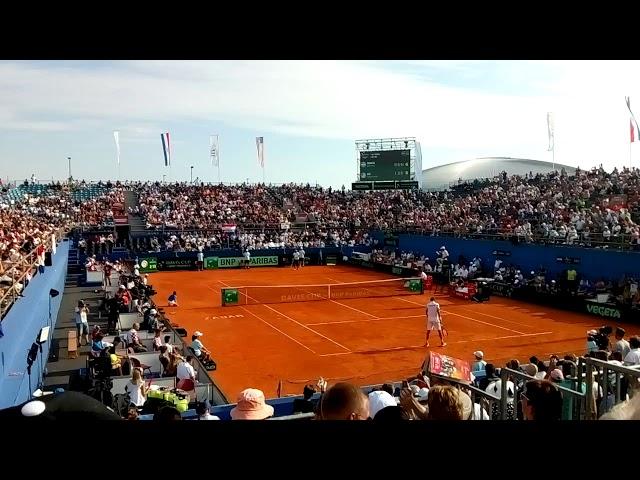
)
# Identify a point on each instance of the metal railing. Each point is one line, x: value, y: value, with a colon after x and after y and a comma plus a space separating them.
x: 28, y: 264
x: 507, y: 374
x: 611, y: 379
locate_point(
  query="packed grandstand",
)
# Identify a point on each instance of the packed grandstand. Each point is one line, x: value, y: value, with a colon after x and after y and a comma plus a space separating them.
x: 589, y: 209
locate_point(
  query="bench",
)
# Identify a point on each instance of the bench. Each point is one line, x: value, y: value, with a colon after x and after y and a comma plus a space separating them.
x: 72, y: 344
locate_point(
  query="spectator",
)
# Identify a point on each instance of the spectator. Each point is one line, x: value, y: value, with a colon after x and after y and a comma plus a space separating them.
x: 541, y: 401
x: 344, y: 401
x: 185, y: 371
x: 305, y: 405
x: 167, y: 414
x: 379, y: 399
x: 621, y: 344
x: 136, y: 388
x: 198, y: 348
x: 633, y: 357
x: 444, y: 403
x: 204, y: 413
x: 82, y: 323
x: 479, y: 364
x: 391, y: 414
x: 251, y: 406
x: 134, y: 339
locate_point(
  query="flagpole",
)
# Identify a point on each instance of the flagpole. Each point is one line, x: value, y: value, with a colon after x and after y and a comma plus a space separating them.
x: 218, y: 154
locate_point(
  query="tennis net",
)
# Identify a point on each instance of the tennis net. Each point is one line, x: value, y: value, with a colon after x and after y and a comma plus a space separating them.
x: 261, y: 294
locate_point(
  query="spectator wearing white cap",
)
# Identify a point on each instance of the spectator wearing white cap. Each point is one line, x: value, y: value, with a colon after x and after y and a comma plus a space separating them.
x: 198, y: 348
x: 251, y: 405
x: 378, y: 400
x: 479, y: 364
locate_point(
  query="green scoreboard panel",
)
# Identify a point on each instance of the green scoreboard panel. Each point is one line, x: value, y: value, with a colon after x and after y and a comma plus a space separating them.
x: 389, y: 165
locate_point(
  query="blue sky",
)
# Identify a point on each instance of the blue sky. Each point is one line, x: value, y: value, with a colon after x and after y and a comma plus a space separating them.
x: 309, y: 112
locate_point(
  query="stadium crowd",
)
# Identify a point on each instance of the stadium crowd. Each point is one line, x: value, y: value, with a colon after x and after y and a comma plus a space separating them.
x: 584, y: 209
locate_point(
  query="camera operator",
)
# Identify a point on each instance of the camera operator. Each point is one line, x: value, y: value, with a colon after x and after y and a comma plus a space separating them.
x: 599, y: 340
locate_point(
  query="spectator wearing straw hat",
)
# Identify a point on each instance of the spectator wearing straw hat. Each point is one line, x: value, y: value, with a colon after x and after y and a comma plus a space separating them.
x: 251, y: 405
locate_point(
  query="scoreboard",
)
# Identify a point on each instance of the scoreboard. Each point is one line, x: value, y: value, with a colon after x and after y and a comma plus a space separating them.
x: 386, y: 165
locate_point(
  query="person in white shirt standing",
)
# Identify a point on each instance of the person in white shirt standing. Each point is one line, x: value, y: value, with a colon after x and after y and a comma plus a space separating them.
x: 296, y: 260
x: 82, y: 323
x: 434, y: 320
x: 247, y: 258
x: 200, y: 259
x: 301, y: 254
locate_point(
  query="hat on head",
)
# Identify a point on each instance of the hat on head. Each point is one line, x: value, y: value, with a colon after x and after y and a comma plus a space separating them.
x: 479, y: 354
x: 530, y: 369
x: 197, y: 333
x: 556, y: 375
x: 153, y: 311
x: 251, y: 406
x: 378, y: 400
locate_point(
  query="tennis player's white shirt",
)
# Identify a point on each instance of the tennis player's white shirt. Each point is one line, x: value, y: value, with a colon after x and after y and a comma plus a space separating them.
x: 433, y: 317
x: 296, y: 255
x: 247, y: 255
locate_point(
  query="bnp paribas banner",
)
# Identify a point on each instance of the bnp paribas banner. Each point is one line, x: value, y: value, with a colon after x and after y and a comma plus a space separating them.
x: 148, y: 264
x: 231, y: 262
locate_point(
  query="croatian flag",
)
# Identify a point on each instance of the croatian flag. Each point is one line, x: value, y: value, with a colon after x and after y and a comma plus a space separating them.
x: 166, y: 148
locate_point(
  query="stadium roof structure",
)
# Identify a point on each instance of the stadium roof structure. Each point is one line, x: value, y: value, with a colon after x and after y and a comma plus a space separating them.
x: 444, y: 176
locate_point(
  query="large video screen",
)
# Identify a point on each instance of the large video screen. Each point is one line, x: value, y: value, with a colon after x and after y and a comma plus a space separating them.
x: 385, y: 165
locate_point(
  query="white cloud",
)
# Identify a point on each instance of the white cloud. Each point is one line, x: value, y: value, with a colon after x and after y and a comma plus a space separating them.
x: 340, y: 99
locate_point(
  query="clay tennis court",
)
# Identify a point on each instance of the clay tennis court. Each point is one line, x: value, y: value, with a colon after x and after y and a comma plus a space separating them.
x: 361, y: 340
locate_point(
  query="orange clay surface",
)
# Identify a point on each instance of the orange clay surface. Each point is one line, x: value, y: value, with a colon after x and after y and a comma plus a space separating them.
x: 363, y: 340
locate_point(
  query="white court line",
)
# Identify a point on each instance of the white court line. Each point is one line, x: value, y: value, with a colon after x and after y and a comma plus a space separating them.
x: 355, y: 309
x: 277, y: 329
x: 498, y: 318
x: 448, y: 343
x: 295, y: 321
x: 468, y: 318
x: 367, y: 320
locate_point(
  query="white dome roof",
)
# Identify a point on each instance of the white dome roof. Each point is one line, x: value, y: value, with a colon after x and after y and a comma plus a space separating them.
x: 444, y: 176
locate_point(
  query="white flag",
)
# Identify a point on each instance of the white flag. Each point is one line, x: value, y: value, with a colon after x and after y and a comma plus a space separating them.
x: 550, y: 129
x: 116, y: 137
x: 260, y: 147
x: 213, y: 150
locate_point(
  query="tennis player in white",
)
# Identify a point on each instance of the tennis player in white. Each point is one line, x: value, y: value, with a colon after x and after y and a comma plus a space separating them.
x: 434, y: 320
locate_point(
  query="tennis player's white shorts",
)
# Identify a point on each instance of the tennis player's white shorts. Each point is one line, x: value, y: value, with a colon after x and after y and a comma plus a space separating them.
x: 433, y: 324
